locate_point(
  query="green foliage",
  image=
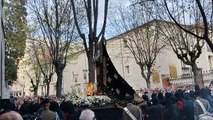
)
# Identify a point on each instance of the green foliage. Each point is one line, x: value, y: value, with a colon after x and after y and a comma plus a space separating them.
x: 11, y: 68
x: 15, y: 34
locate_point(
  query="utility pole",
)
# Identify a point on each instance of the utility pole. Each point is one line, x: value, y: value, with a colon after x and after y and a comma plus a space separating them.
x: 1, y: 49
x: 4, y: 90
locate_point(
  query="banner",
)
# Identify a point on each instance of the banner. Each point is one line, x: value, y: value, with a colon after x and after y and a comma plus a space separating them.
x: 155, y: 76
x: 172, y: 70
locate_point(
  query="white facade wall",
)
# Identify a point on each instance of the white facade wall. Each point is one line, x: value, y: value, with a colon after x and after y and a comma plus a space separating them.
x: 76, y: 74
x: 76, y: 71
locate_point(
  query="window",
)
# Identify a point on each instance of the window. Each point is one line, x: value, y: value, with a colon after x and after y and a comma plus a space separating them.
x: 186, y: 71
x: 127, y: 69
x: 75, y: 77
x: 210, y: 62
x: 85, y: 74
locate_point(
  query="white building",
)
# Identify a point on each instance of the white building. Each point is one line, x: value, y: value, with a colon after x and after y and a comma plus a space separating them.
x: 76, y: 71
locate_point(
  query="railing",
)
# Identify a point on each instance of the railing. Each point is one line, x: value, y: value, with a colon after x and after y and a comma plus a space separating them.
x: 207, y: 77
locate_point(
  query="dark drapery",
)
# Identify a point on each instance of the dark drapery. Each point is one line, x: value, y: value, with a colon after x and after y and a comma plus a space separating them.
x: 109, y: 80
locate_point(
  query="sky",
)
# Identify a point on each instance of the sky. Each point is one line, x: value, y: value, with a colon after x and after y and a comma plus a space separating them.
x: 112, y: 5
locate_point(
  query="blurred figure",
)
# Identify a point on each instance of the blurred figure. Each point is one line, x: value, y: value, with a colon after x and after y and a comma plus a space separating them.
x: 131, y: 111
x: 12, y: 115
x: 171, y: 111
x: 155, y: 111
x: 87, y: 114
x: 202, y: 108
x: 71, y: 113
x: 47, y: 114
x: 7, y: 111
x: 54, y: 106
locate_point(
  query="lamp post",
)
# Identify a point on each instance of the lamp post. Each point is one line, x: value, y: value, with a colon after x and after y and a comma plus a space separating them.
x: 1, y: 50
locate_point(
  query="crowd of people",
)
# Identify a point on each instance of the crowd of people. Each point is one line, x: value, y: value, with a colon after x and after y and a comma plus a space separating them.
x: 188, y: 103
x: 182, y: 104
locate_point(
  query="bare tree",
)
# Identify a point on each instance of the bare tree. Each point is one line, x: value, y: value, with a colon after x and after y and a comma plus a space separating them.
x: 187, y: 47
x: 31, y: 69
x: 22, y: 84
x: 142, y: 40
x: 56, y: 23
x: 187, y: 33
x: 35, y: 77
x: 195, y: 12
x: 43, y: 60
x: 91, y: 9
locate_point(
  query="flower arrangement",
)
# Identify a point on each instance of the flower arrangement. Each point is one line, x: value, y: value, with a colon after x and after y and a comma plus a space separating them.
x: 81, y: 100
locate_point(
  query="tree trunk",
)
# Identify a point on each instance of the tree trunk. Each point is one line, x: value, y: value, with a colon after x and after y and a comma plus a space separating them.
x: 195, y: 72
x: 147, y: 76
x: 45, y: 89
x: 42, y: 90
x: 209, y: 42
x: 35, y: 91
x: 148, y: 84
x: 92, y: 67
x: 101, y: 70
x: 23, y: 92
x: 48, y: 88
x: 59, y: 84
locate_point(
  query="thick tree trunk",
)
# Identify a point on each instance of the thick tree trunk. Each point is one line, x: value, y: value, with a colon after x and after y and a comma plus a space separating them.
x: 148, y: 84
x: 149, y: 73
x: 195, y: 72
x: 59, y: 84
x: 47, y: 88
x: 42, y: 90
x: 91, y: 57
x: 92, y: 67
x: 147, y: 76
x: 35, y: 91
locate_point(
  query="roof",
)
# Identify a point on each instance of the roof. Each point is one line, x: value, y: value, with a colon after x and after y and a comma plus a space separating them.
x: 146, y: 24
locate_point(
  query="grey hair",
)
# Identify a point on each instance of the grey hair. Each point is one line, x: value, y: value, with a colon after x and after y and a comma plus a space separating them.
x: 87, y: 114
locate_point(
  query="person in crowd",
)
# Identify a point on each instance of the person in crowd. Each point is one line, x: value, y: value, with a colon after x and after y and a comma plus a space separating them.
x: 71, y: 113
x: 11, y: 115
x: 55, y: 108
x: 13, y: 102
x: 146, y: 98
x: 188, y: 107
x: 87, y: 114
x: 171, y: 111
x: 131, y: 111
x: 202, y: 108
x: 47, y: 114
x: 24, y: 109
x: 205, y: 94
x: 161, y: 98
x: 8, y: 111
x: 155, y: 111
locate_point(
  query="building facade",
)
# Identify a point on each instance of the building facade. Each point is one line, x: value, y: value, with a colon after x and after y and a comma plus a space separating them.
x: 167, y: 65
